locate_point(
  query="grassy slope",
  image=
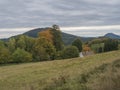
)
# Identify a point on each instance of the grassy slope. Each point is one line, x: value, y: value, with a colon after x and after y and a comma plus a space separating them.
x: 71, y: 74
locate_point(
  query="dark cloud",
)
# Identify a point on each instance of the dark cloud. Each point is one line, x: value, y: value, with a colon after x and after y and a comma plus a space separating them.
x: 37, y: 13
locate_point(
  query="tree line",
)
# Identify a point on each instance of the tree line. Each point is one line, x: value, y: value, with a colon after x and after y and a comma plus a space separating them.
x: 47, y: 46
x: 104, y: 45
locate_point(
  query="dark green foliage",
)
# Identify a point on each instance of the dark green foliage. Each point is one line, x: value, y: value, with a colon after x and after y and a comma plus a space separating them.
x: 40, y: 54
x: 12, y: 45
x: 4, y: 55
x: 20, y: 55
x: 56, y: 27
x: 104, y: 44
x: 2, y: 44
x: 22, y: 42
x: 25, y: 42
x: 57, y: 39
x: 70, y: 52
x: 100, y: 50
x: 110, y: 45
x: 29, y: 43
x: 78, y: 44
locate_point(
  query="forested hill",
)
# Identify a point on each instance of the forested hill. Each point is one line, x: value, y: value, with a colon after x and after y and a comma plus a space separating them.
x: 34, y: 32
x: 67, y: 38
x: 112, y: 35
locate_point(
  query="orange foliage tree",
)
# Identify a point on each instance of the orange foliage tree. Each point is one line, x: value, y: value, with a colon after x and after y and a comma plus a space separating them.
x: 86, y: 48
x: 47, y: 34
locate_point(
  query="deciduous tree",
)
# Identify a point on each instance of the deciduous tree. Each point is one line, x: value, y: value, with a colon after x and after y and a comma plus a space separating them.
x: 20, y: 55
x: 78, y: 44
x: 70, y: 52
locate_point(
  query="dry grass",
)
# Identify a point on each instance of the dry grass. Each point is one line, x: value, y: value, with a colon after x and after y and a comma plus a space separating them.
x: 59, y: 74
x: 107, y: 80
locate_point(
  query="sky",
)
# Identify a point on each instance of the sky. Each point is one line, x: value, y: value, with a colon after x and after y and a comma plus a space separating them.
x: 78, y: 17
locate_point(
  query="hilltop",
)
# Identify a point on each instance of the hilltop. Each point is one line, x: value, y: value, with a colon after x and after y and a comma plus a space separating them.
x: 97, y: 72
x: 67, y: 38
x: 112, y: 35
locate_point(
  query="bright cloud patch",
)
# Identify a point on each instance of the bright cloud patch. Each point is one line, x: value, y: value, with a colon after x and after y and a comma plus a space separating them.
x: 89, y: 31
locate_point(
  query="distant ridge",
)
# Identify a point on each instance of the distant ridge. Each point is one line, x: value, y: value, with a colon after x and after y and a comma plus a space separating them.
x: 112, y: 36
x: 67, y: 38
x: 34, y: 32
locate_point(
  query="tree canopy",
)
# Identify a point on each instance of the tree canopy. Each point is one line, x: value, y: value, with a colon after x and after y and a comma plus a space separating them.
x: 78, y: 43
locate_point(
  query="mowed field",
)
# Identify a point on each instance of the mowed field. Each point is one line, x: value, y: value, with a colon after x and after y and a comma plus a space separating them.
x: 96, y: 72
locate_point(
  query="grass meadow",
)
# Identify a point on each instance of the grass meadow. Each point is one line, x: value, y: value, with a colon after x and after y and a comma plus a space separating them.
x: 96, y: 72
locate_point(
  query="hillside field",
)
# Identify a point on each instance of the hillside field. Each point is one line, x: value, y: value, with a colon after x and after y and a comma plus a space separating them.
x: 96, y: 72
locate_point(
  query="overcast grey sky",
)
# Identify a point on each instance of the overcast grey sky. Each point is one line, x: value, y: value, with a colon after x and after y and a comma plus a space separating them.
x: 66, y: 13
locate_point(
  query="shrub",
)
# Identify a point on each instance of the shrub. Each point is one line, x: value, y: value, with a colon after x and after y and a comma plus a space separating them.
x: 21, y: 55
x: 78, y: 44
x: 70, y: 52
x: 110, y: 45
x: 4, y: 55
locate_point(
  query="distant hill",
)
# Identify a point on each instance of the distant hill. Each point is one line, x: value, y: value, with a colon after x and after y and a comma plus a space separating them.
x: 112, y: 35
x: 34, y: 32
x: 67, y: 38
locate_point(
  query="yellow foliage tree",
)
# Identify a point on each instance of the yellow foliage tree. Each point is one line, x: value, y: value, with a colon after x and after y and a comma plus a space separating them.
x: 47, y: 34
x: 86, y: 48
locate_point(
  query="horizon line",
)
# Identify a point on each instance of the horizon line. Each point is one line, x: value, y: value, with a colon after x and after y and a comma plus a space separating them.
x: 97, y: 27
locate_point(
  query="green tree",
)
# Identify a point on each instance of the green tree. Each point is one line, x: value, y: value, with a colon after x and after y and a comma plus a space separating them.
x: 5, y: 56
x: 20, y: 42
x: 110, y: 45
x: 57, y: 38
x: 11, y: 44
x: 43, y: 49
x: 78, y: 44
x: 56, y: 27
x: 2, y: 44
x: 29, y: 43
x: 20, y: 55
x: 100, y: 50
x: 70, y: 52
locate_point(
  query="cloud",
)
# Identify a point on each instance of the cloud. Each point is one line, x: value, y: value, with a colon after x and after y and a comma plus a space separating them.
x: 32, y: 13
x: 86, y: 31
x: 66, y: 13
x: 92, y: 31
x: 6, y: 32
x: 108, y: 27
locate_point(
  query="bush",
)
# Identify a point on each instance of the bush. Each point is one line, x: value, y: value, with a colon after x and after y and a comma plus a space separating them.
x: 21, y: 55
x: 110, y: 45
x: 70, y: 52
x: 4, y: 56
x: 78, y: 44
